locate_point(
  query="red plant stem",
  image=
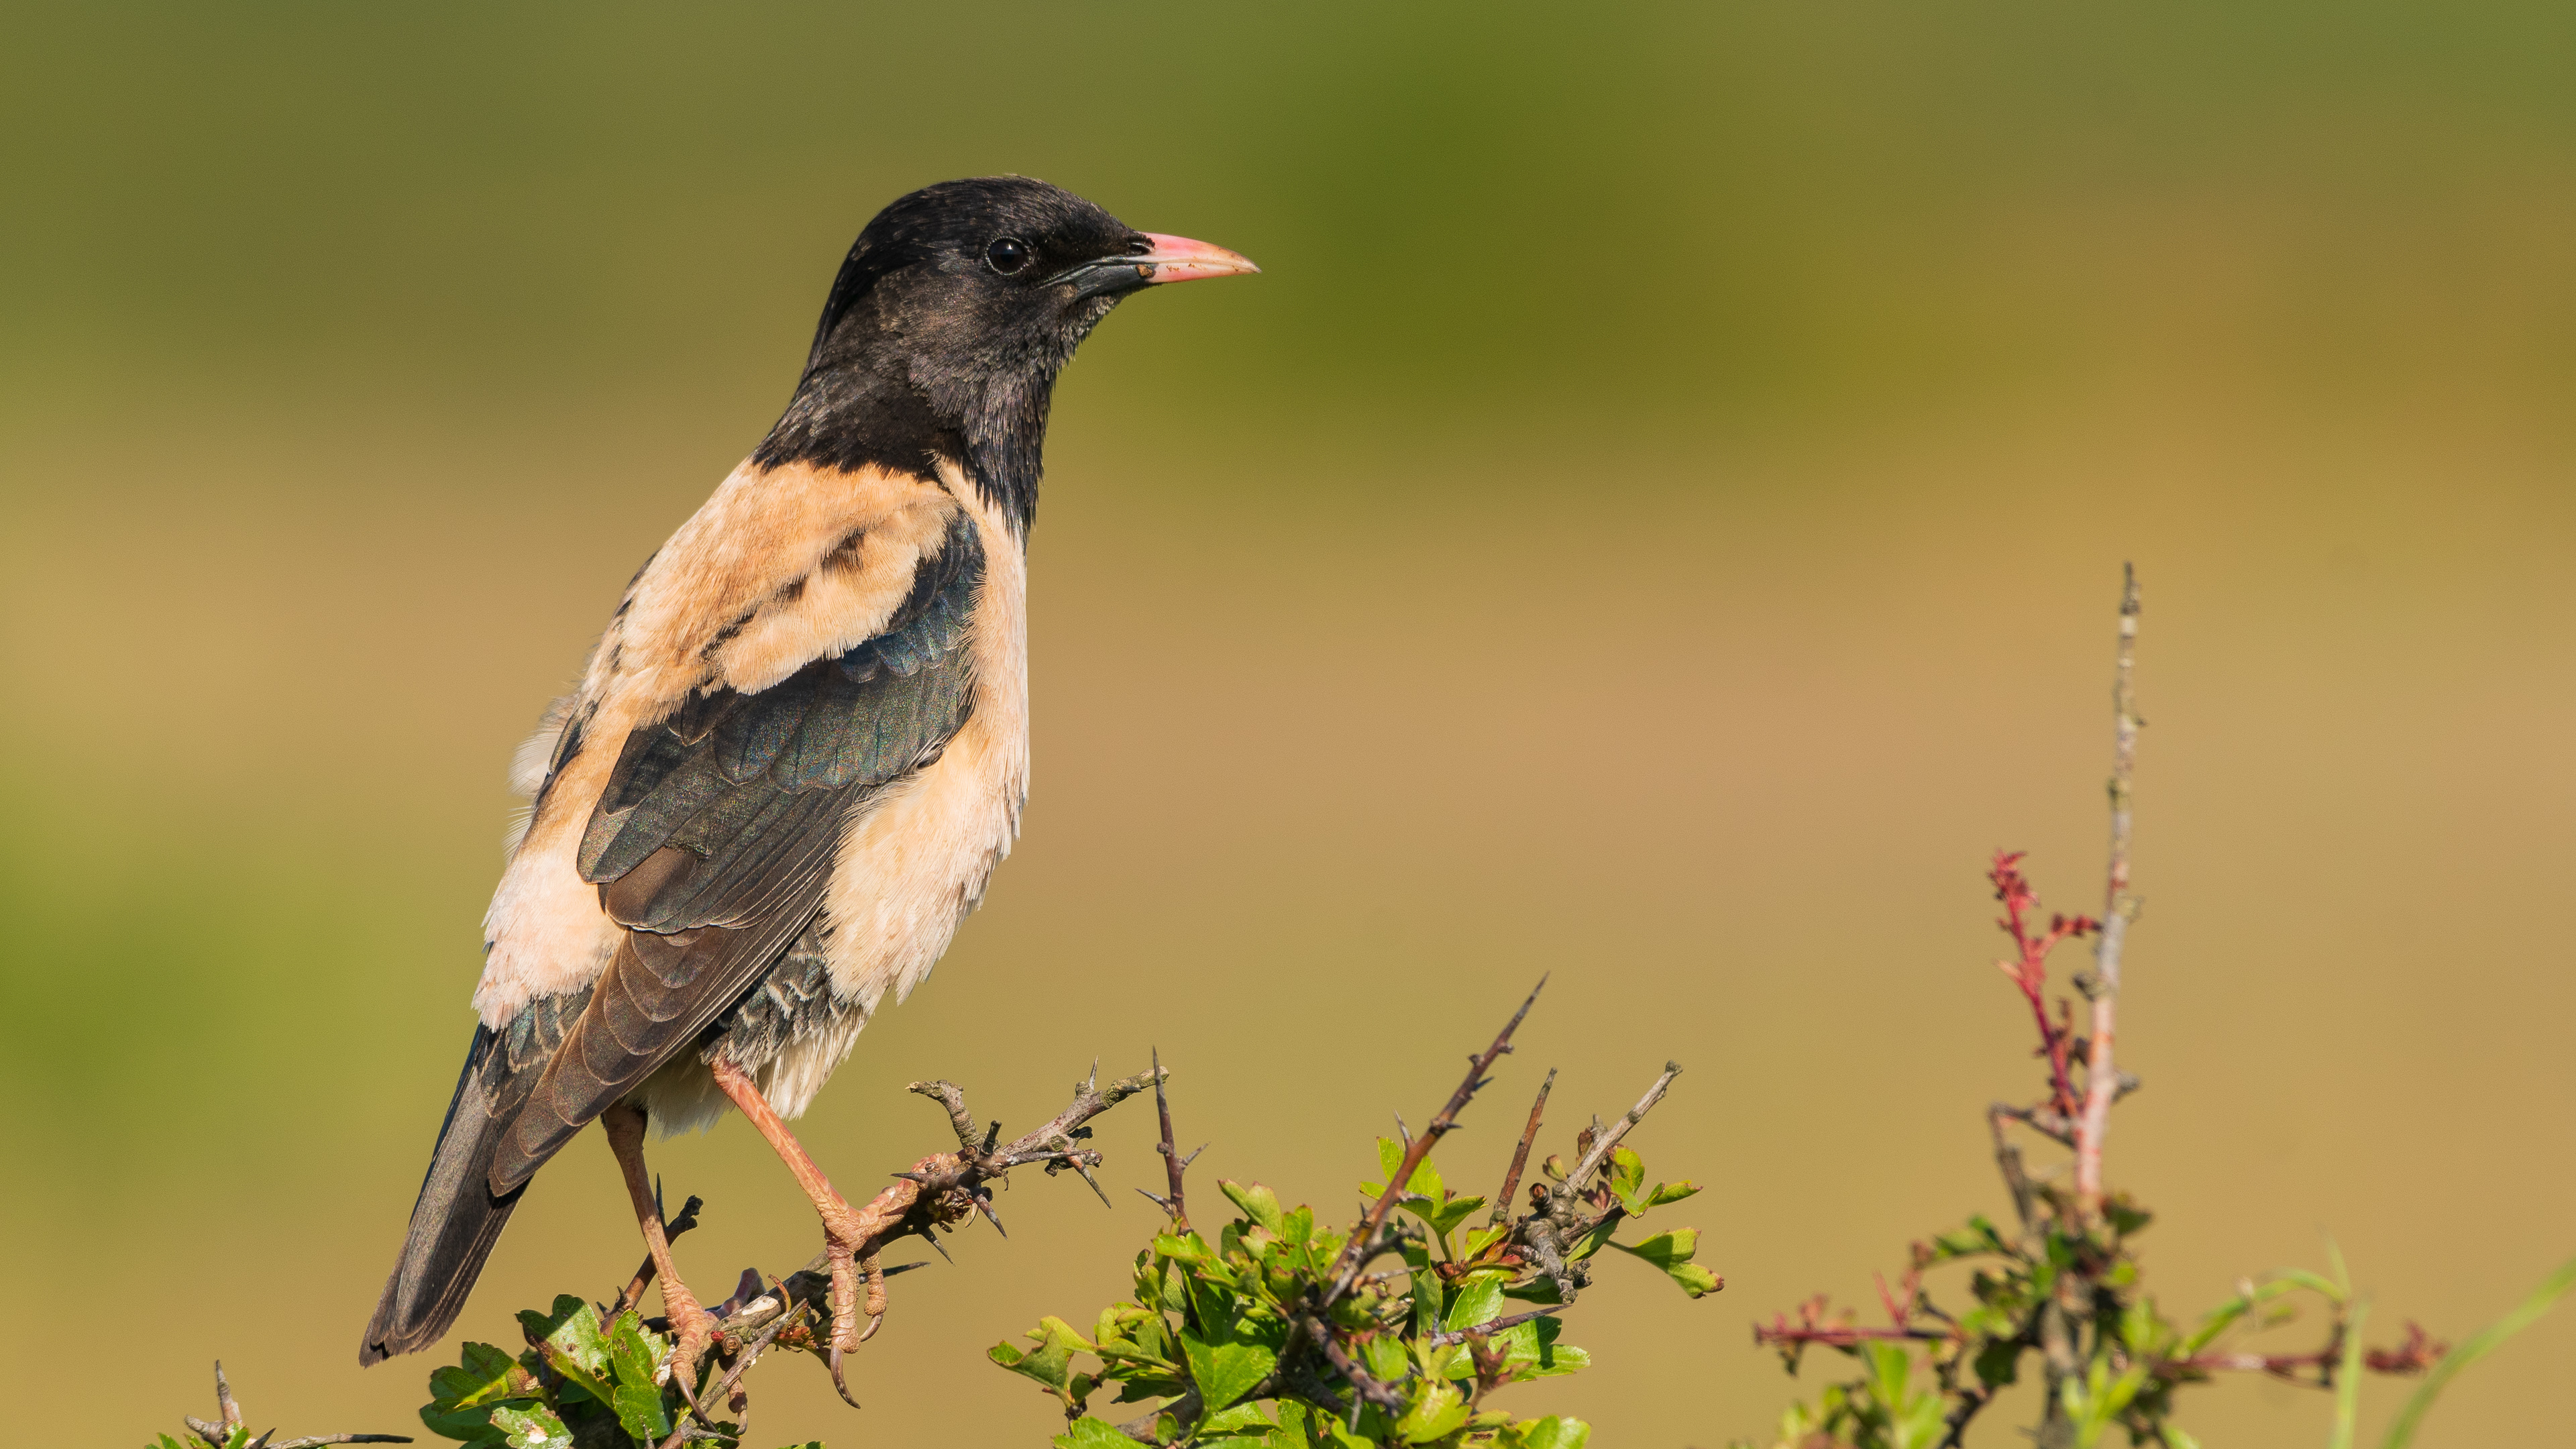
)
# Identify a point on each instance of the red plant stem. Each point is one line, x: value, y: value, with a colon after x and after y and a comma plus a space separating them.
x: 2101, y: 1069
x: 1846, y: 1337
x: 2030, y: 973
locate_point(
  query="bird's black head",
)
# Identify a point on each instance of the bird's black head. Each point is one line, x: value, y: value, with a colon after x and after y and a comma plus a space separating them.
x: 950, y: 319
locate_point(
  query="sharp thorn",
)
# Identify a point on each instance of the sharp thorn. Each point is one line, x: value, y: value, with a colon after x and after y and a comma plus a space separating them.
x: 1095, y: 1185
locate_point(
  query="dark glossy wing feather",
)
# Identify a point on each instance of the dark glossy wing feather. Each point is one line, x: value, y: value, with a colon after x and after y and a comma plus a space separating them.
x: 458, y: 1216
x: 713, y: 840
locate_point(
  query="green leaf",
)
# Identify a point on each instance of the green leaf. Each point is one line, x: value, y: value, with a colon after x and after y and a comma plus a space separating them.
x: 572, y: 1343
x: 637, y: 1400
x: 2326, y: 1288
x: 1428, y: 1295
x: 639, y: 1412
x: 1445, y: 1218
x: 2401, y: 1430
x: 471, y: 1426
x: 1223, y: 1369
x: 1979, y: 1236
x: 1425, y: 1181
x: 1439, y: 1410
x: 1551, y: 1432
x: 1240, y: 1417
x: 1050, y: 1364
x: 1672, y: 1252
x: 1091, y: 1434
x: 536, y: 1426
x: 1479, y: 1301
x: 572, y: 1330
x: 1627, y: 1172
x: 1190, y: 1248
x: 1258, y: 1203
x: 1999, y: 1362
x: 1555, y: 1358
x: 2347, y: 1417
x: 1384, y: 1354
x: 482, y: 1377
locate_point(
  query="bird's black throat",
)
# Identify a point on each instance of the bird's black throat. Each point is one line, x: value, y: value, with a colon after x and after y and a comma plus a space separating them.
x: 848, y: 419
x: 925, y: 353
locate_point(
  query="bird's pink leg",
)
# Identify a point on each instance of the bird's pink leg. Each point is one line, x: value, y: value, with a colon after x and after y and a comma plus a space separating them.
x: 846, y: 1231
x: 692, y: 1323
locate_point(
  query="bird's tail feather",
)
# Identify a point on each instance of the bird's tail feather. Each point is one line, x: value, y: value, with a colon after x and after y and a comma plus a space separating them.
x: 457, y: 1219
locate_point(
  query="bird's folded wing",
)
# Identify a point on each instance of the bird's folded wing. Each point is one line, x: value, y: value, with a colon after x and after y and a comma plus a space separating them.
x: 714, y: 839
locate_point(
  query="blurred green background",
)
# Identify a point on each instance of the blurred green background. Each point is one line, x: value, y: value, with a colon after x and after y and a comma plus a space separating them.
x: 1656, y: 521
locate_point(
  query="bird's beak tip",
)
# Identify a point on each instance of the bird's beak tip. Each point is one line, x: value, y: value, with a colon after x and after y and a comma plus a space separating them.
x: 1180, y: 259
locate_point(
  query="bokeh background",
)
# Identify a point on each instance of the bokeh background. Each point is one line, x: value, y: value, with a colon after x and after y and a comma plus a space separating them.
x: 1656, y: 521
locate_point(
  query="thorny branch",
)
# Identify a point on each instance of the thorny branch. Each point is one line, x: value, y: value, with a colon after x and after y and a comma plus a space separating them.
x: 1174, y: 1164
x: 1316, y: 1354
x: 1520, y: 1153
x: 1364, y: 1240
x: 939, y: 1193
x: 228, y: 1421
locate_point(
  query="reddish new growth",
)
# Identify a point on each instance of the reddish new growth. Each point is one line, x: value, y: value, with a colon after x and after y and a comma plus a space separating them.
x: 1813, y: 1327
x: 2030, y: 973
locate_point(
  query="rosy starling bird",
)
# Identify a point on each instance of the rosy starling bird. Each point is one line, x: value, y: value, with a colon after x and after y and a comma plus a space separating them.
x: 798, y: 751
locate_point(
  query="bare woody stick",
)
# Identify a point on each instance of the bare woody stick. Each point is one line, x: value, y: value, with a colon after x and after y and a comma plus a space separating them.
x: 1355, y: 1253
x: 1581, y: 1177
x: 2119, y: 907
x: 1174, y: 1164
x: 1520, y: 1154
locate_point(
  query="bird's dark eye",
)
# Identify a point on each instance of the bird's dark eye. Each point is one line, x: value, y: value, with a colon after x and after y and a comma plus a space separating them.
x: 1007, y: 255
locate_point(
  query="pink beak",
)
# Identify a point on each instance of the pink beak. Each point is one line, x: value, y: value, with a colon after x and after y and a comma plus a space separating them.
x: 1179, y: 259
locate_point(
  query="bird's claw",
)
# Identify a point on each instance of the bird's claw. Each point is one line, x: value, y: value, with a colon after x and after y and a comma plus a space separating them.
x: 848, y: 1272
x: 834, y: 1359
x: 845, y: 1311
x: 694, y: 1331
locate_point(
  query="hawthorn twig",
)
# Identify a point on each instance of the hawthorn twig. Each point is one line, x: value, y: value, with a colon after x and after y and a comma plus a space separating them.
x: 644, y: 1271
x: 946, y: 1188
x: 228, y: 1416
x: 2119, y: 907
x: 1367, y: 1388
x: 1499, y: 1325
x: 1520, y: 1154
x: 1348, y: 1267
x: 1178, y: 1204
x: 1577, y: 1180
x: 1184, y: 1409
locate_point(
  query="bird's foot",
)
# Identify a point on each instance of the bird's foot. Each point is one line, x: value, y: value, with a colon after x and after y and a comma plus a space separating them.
x: 693, y: 1331
x: 851, y: 1273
